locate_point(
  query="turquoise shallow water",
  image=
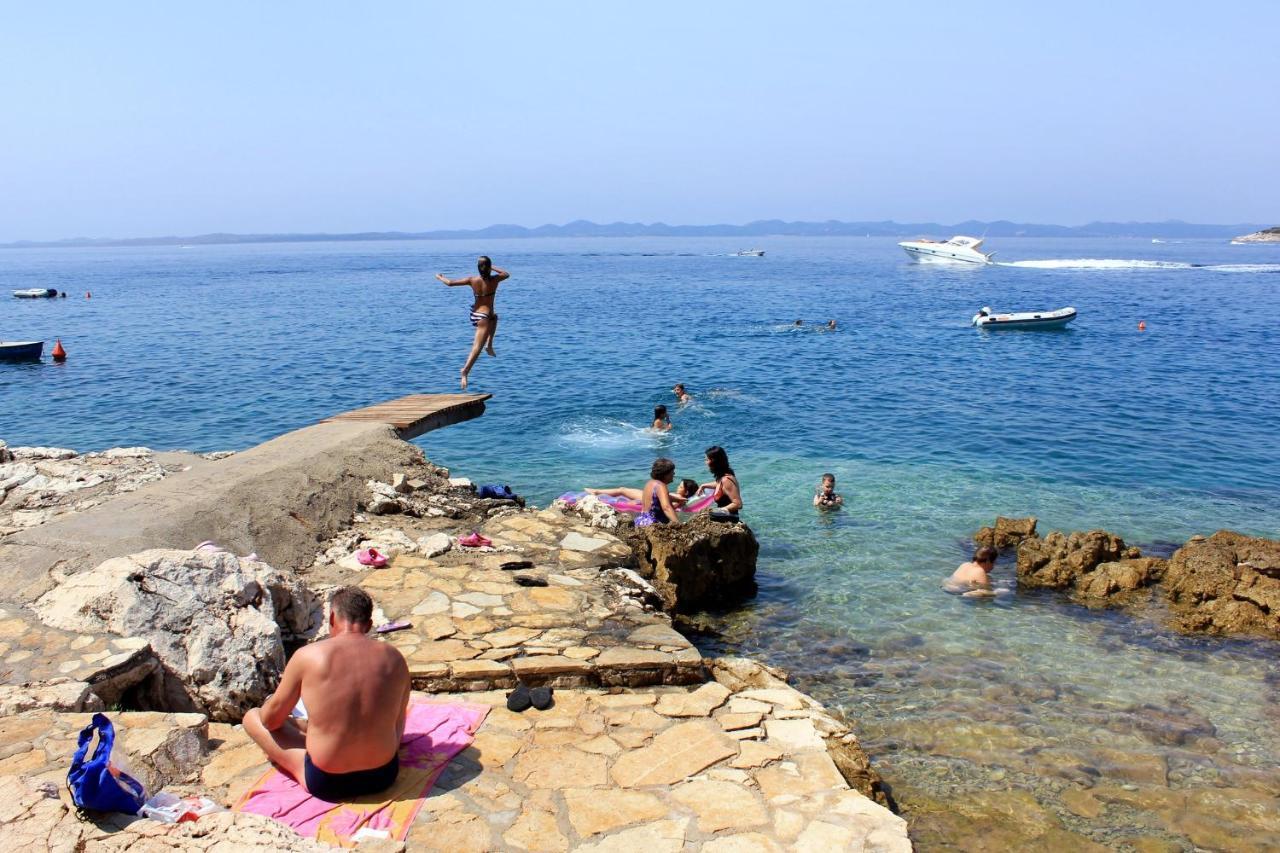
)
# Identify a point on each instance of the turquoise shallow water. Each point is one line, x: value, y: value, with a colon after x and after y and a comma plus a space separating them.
x: 932, y: 428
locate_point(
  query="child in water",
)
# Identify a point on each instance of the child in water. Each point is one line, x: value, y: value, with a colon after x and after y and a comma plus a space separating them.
x: 661, y: 422
x: 826, y: 497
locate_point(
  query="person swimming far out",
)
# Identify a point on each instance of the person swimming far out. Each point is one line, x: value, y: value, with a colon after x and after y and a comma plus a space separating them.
x: 727, y: 494
x: 826, y: 497
x: 684, y: 492
x: 483, y: 316
x: 655, y: 497
x: 661, y: 421
x: 682, y: 396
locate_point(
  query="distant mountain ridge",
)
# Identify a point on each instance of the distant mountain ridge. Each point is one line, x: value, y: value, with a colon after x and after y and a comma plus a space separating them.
x: 760, y: 228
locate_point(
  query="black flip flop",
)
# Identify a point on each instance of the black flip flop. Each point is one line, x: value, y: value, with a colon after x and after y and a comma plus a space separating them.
x: 519, y: 699
x: 513, y: 565
x: 541, y: 698
x: 530, y: 580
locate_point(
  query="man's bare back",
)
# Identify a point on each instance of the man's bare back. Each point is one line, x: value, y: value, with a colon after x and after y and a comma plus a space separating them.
x: 356, y: 692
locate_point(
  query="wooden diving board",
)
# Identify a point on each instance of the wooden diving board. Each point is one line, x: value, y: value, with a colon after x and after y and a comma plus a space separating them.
x: 416, y: 414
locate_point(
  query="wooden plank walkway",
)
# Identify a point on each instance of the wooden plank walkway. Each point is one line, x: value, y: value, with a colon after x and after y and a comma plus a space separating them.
x: 416, y: 414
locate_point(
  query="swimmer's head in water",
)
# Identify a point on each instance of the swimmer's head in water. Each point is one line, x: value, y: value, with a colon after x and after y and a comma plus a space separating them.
x: 687, y: 488
x: 659, y: 413
x: 985, y: 557
x: 828, y: 482
x: 663, y: 469
x: 484, y: 265
x: 679, y: 389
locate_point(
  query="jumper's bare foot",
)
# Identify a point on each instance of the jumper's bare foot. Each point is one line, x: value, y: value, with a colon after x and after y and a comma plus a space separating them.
x: 463, y: 377
x: 489, y: 349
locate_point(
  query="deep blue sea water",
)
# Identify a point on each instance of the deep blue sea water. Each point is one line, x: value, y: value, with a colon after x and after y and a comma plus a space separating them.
x: 932, y: 427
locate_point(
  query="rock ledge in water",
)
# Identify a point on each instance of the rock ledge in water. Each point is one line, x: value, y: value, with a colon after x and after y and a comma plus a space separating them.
x: 1226, y: 584
x: 697, y: 564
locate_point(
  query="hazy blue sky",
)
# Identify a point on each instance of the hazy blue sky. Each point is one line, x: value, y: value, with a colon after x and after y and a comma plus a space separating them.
x: 127, y: 119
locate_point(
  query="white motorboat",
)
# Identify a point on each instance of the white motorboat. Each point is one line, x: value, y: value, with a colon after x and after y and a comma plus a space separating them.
x: 957, y: 250
x: 749, y: 253
x: 36, y: 293
x: 987, y: 319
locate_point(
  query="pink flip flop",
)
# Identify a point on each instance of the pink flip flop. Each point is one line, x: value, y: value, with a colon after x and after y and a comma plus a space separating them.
x: 475, y: 540
x: 370, y: 557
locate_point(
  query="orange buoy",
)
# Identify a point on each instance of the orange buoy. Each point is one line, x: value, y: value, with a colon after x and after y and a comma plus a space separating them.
x: 59, y: 354
x: 1142, y: 325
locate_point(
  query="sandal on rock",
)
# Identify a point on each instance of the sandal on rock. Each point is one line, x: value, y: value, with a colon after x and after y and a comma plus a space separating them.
x: 529, y: 580
x: 512, y: 565
x: 541, y: 698
x: 519, y: 699
x: 370, y: 557
x: 475, y: 540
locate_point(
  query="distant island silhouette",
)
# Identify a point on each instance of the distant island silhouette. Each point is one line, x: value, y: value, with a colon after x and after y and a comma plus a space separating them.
x: 762, y: 228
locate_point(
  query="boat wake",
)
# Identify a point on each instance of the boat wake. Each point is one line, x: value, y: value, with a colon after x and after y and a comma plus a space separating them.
x: 1119, y: 264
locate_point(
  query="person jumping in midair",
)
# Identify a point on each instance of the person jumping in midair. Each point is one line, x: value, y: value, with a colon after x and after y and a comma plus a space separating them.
x: 483, y: 317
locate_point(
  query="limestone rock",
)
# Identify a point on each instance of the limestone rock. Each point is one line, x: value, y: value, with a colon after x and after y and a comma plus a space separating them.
x: 699, y: 563
x: 1121, y: 576
x: 1226, y: 584
x: 597, y: 513
x: 674, y: 755
x: 216, y: 622
x: 434, y: 545
x: 1007, y: 533
x: 1059, y: 560
x: 61, y: 694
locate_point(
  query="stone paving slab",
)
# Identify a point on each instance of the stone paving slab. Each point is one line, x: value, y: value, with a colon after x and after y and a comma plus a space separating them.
x: 35, y: 657
x: 664, y: 768
x: 475, y: 627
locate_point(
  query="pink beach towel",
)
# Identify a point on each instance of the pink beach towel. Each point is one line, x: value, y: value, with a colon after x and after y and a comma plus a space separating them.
x: 433, y: 734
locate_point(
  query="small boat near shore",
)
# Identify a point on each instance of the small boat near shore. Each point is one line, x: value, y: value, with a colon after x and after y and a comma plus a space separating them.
x: 987, y: 319
x: 957, y: 250
x: 21, y: 350
x: 36, y: 293
x: 749, y: 253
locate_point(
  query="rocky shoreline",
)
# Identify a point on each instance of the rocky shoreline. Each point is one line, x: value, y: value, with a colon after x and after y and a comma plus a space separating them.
x: 691, y: 753
x: 1266, y: 235
x: 1226, y: 584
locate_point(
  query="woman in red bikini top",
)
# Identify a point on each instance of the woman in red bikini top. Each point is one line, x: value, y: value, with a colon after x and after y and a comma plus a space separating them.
x: 728, y: 495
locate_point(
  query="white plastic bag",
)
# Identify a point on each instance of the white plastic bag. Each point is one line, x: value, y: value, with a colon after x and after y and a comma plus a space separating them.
x: 170, y: 808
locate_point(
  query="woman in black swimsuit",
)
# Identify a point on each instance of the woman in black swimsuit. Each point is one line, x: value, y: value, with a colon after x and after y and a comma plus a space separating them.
x: 728, y: 495
x: 483, y: 317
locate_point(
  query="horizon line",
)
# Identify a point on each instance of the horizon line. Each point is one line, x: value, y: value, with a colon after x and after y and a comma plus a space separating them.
x: 755, y: 228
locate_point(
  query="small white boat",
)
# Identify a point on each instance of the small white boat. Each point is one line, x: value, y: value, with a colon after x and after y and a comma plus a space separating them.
x: 36, y: 293
x: 987, y: 319
x: 749, y: 253
x: 21, y: 350
x: 957, y: 250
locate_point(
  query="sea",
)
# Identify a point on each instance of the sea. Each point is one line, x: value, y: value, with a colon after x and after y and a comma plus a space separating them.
x: 1154, y: 415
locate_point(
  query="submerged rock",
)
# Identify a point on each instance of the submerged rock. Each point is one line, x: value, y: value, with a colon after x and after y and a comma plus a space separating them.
x: 1121, y: 576
x: 217, y: 623
x: 698, y: 564
x: 1226, y: 584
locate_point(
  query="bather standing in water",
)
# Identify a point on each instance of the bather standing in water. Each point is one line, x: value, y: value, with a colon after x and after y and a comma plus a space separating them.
x: 483, y: 316
x: 661, y: 420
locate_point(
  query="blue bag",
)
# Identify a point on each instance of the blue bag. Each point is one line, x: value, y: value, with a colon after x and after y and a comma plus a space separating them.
x: 493, y: 490
x: 92, y: 783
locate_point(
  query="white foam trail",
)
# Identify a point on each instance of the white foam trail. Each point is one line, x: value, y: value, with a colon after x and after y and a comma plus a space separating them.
x: 1118, y: 264
x: 1097, y: 264
x: 603, y: 433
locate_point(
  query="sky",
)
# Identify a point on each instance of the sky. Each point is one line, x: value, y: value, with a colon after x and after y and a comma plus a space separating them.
x: 150, y: 119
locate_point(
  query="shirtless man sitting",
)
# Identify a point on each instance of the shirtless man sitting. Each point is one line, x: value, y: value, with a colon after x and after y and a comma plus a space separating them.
x: 356, y: 693
x: 974, y: 576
